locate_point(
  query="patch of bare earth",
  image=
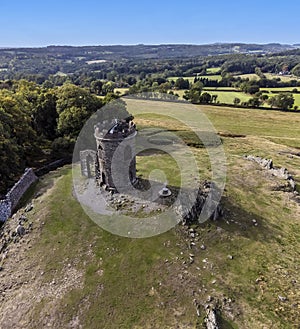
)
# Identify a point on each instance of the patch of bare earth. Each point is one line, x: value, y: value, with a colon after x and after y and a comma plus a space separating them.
x: 24, y: 289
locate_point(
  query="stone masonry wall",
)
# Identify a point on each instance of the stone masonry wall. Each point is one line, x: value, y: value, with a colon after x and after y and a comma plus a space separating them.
x: 12, y: 198
x: 5, y: 210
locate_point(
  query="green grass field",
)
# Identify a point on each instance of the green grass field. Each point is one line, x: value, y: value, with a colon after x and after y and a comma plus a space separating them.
x: 212, y: 70
x: 228, y: 97
x: 223, y: 96
x: 297, y: 99
x: 217, y: 77
x: 281, y: 77
x: 280, y: 89
x: 121, y: 91
x: 273, y: 91
x: 190, y: 79
x: 251, y: 76
x: 218, y: 88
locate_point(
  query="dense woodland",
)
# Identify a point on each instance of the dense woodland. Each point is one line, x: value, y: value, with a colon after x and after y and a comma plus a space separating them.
x: 46, y: 94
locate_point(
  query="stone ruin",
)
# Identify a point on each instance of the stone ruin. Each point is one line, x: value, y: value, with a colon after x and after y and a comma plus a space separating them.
x: 190, y: 209
x: 279, y: 172
x: 115, y: 162
x: 116, y: 147
x: 87, y: 163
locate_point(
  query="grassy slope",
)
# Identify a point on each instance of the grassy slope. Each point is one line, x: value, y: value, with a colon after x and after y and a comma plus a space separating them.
x: 118, y: 273
x: 143, y: 283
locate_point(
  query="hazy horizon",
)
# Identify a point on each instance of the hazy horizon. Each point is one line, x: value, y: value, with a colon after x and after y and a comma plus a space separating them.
x: 83, y: 23
x: 296, y: 44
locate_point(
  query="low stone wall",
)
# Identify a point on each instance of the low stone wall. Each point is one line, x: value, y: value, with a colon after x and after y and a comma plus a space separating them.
x: 279, y: 172
x: 12, y: 198
x: 5, y: 210
x: 52, y: 166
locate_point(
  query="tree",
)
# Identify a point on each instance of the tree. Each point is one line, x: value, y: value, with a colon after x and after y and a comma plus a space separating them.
x: 182, y: 84
x: 96, y: 87
x: 252, y: 89
x: 272, y: 102
x: 45, y: 115
x: 259, y: 73
x: 192, y: 95
x: 74, y: 107
x: 263, y: 98
x: 249, y: 87
x: 214, y: 98
x: 164, y: 87
x: 18, y: 140
x: 197, y: 86
x: 254, y: 102
x: 205, y: 98
x: 108, y: 87
x: 236, y: 101
x: 282, y: 101
x: 296, y: 70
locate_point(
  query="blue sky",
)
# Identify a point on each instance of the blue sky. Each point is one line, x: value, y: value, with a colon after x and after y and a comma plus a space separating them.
x: 91, y: 22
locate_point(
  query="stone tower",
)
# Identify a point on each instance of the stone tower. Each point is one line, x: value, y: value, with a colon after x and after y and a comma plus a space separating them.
x: 115, y: 160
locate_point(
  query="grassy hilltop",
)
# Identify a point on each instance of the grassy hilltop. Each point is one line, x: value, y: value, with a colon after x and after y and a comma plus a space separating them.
x: 70, y: 273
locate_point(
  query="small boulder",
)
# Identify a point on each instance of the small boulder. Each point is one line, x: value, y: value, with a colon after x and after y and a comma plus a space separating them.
x: 282, y: 298
x: 20, y: 230
x: 29, y: 207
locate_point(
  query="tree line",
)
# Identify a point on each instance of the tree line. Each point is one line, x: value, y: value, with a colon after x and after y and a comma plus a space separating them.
x: 39, y: 124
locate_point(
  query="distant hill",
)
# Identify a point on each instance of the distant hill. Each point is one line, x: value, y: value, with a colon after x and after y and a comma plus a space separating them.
x: 52, y: 60
x: 150, y: 51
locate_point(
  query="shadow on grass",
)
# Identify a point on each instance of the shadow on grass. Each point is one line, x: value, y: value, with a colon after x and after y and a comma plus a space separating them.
x: 246, y: 224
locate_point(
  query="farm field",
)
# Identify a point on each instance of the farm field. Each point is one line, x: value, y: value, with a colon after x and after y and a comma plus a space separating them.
x: 281, y: 77
x: 212, y: 70
x: 191, y: 79
x: 217, y: 77
x: 121, y: 91
x: 297, y: 99
x: 253, y: 76
x: 228, y: 97
x: 280, y: 89
x: 219, y: 88
x: 250, y: 76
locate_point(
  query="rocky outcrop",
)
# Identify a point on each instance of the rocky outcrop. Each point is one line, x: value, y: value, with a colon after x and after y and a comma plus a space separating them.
x: 211, y: 318
x: 206, y: 204
x: 279, y: 172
